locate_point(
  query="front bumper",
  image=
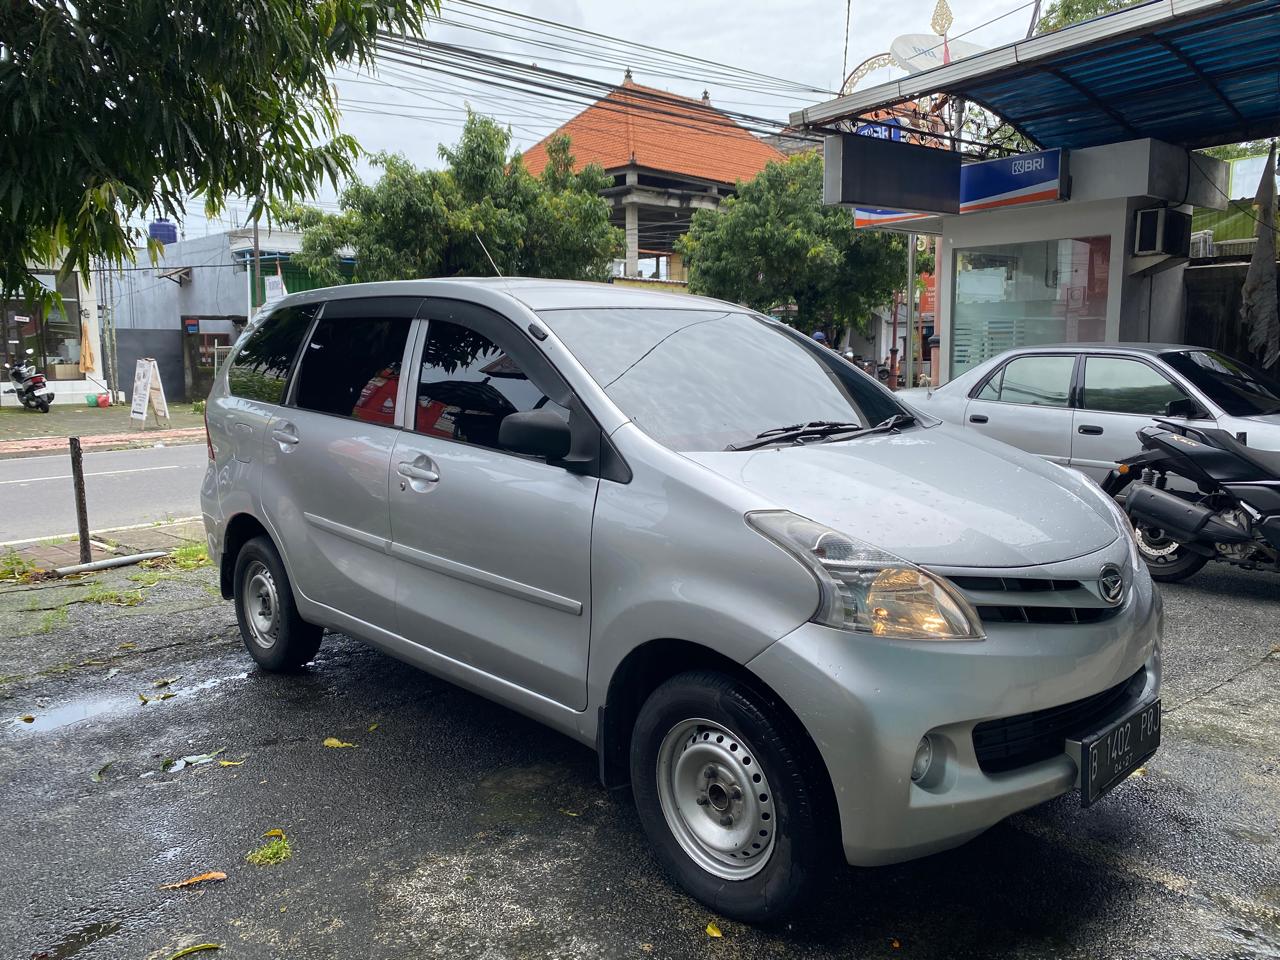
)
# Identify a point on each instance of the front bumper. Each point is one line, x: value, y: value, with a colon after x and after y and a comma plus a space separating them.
x: 867, y: 702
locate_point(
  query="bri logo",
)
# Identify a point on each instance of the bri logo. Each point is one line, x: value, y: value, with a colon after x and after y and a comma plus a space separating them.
x: 1029, y: 165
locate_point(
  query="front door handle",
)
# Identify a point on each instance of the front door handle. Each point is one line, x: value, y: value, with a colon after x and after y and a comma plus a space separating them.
x: 978, y: 418
x: 284, y: 434
x: 412, y: 471
x: 1089, y: 429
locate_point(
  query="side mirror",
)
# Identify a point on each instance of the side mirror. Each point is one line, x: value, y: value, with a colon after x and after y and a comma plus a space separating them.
x: 539, y: 433
x: 1185, y: 408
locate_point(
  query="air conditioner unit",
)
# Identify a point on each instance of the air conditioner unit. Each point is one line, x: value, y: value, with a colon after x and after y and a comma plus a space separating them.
x: 1159, y: 230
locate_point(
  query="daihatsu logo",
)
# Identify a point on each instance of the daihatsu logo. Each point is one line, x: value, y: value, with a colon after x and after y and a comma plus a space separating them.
x: 1028, y: 165
x: 1111, y: 584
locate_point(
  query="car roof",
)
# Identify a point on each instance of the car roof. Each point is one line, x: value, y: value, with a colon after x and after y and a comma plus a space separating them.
x: 536, y: 294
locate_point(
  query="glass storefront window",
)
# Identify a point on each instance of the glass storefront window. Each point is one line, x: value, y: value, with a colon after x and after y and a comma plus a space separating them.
x: 54, y: 334
x: 1022, y: 294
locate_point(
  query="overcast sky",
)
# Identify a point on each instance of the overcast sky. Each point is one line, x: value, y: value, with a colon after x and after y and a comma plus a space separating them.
x: 411, y: 112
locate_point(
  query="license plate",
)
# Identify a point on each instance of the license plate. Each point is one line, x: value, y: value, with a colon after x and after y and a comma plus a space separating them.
x: 1111, y: 754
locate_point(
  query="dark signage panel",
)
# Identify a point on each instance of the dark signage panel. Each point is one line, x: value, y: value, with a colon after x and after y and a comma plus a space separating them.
x: 874, y: 172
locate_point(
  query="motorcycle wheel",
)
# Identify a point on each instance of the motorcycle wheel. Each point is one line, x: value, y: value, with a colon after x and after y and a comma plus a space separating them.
x: 1167, y: 560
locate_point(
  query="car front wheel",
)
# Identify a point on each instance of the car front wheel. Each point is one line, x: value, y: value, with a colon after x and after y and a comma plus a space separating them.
x: 730, y: 795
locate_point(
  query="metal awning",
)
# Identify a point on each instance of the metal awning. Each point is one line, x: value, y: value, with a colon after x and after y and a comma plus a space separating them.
x: 1196, y: 73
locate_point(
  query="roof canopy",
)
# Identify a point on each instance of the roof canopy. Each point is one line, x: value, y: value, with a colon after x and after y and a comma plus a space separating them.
x: 1196, y: 73
x: 635, y: 126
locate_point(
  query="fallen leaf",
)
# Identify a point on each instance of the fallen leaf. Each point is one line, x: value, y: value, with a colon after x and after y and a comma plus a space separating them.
x: 647, y: 947
x: 1139, y: 772
x: 166, y: 696
x: 336, y: 743
x: 144, y: 698
x: 97, y: 777
x: 714, y: 931
x: 212, y: 875
x: 127, y: 646
x: 373, y: 727
x: 895, y: 944
x: 569, y: 813
x: 230, y: 763
x: 277, y: 832
x: 187, y: 951
x: 27, y: 718
x: 164, y: 681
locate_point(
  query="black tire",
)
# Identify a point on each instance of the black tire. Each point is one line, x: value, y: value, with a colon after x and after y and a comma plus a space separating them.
x: 44, y: 406
x: 1168, y: 567
x: 272, y: 631
x: 798, y: 809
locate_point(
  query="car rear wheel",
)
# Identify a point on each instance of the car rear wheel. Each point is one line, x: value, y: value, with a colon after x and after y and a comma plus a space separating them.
x: 273, y: 632
x: 1167, y: 560
x: 730, y: 796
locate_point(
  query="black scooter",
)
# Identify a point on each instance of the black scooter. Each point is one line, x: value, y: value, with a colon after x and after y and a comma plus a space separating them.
x: 30, y: 386
x: 1231, y: 515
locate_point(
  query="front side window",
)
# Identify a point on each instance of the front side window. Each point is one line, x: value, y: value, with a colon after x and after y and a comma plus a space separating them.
x: 1116, y: 385
x: 1240, y: 390
x: 1040, y: 381
x: 351, y: 365
x: 706, y: 379
x: 1014, y: 295
x: 261, y: 366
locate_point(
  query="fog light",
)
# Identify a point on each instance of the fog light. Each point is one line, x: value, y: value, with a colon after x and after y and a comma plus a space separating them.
x: 923, y: 761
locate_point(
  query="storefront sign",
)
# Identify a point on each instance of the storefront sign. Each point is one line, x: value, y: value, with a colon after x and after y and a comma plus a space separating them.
x: 1018, y: 181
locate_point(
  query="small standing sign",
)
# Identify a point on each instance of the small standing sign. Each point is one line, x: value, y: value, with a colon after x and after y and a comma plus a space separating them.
x: 148, y: 392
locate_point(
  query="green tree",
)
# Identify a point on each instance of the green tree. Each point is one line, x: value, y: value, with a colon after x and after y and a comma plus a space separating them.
x: 775, y: 244
x: 440, y: 223
x: 114, y: 108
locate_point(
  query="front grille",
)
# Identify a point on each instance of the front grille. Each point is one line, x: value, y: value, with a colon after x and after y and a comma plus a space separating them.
x: 1034, y: 600
x: 1012, y: 742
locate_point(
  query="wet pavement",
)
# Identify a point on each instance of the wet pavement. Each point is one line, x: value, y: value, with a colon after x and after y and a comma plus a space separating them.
x: 456, y: 828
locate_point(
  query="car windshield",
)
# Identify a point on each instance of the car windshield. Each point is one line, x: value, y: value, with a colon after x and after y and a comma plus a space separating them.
x: 1237, y: 388
x: 706, y: 379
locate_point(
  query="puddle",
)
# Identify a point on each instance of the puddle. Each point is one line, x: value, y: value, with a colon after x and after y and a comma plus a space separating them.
x: 67, y: 714
x: 73, y: 943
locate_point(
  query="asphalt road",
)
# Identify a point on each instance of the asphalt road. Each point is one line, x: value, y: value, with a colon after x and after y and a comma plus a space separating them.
x: 455, y: 828
x: 122, y: 487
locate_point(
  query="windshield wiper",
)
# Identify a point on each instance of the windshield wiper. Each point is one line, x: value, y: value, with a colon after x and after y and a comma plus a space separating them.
x: 814, y: 428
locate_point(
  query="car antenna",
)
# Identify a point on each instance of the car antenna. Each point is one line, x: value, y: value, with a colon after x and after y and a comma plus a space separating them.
x: 487, y: 254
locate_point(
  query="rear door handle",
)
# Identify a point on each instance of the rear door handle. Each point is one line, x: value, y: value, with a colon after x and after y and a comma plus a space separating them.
x: 977, y: 418
x: 1089, y: 429
x: 414, y: 472
x: 284, y: 435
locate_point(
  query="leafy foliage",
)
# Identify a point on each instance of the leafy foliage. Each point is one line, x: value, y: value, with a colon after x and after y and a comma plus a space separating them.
x: 119, y: 107
x: 1063, y: 13
x: 431, y: 223
x: 776, y: 244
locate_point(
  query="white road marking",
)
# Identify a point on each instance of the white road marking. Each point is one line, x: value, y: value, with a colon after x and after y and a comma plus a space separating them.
x: 103, y: 473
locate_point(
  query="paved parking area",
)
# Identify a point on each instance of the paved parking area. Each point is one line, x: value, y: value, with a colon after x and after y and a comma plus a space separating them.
x: 455, y: 828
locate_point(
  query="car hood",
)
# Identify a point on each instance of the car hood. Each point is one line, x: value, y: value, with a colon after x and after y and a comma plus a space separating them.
x: 939, y: 496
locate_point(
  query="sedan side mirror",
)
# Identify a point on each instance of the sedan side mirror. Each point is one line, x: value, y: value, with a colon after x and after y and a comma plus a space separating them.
x: 539, y: 433
x: 1185, y: 408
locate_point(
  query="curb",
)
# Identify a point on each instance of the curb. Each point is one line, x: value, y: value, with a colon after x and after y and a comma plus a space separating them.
x: 13, y: 449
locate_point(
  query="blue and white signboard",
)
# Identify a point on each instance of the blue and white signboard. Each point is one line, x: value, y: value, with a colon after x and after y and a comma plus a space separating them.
x: 1017, y: 181
x: 888, y: 129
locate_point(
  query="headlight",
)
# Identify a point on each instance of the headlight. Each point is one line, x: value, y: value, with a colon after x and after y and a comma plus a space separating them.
x: 866, y: 590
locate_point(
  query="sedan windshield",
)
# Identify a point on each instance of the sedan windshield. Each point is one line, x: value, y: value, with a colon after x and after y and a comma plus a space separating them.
x: 1238, y: 389
x: 709, y: 379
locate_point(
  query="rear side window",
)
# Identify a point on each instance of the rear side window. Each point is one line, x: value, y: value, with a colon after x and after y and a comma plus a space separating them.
x: 1041, y: 381
x: 260, y: 369
x: 1117, y: 385
x: 351, y: 365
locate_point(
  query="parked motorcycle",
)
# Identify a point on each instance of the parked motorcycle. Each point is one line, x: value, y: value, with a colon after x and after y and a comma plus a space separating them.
x: 29, y: 385
x: 1223, y: 503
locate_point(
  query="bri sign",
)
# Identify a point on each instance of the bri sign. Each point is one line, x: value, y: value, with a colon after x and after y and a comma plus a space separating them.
x: 1018, y: 181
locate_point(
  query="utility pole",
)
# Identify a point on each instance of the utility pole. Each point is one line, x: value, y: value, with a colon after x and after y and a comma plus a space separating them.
x: 257, y: 268
x: 911, y: 310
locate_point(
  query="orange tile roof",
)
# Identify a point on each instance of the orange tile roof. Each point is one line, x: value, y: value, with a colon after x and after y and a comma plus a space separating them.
x: 659, y: 131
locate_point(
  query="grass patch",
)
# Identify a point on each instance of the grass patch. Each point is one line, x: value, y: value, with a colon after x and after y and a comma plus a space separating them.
x: 276, y: 850
x: 53, y: 619
x: 15, y: 569
x: 149, y: 578
x: 190, y: 556
x: 114, y: 598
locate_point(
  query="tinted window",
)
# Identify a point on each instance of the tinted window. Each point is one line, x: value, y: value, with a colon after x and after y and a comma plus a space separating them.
x: 261, y: 365
x: 467, y: 384
x: 1035, y: 380
x: 704, y: 379
x: 351, y: 365
x: 1239, y: 389
x: 1126, y: 386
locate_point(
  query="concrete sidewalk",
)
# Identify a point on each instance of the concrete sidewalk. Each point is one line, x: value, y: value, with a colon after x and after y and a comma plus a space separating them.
x: 121, y: 541
x: 24, y: 433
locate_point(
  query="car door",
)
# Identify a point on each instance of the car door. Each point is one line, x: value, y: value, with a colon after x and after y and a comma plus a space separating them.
x: 493, y: 549
x: 327, y: 457
x: 1026, y: 403
x: 1117, y: 397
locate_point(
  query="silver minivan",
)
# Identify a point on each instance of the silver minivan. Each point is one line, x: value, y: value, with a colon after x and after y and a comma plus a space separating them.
x: 793, y: 616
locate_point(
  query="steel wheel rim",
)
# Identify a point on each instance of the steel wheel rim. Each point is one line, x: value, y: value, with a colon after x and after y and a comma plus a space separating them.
x: 707, y: 775
x: 261, y: 604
